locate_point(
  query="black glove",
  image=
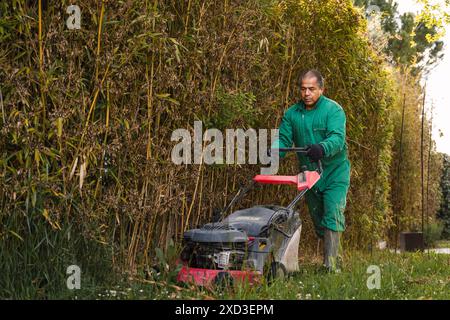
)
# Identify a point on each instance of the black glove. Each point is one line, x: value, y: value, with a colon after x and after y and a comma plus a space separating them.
x: 271, y: 151
x: 315, y: 152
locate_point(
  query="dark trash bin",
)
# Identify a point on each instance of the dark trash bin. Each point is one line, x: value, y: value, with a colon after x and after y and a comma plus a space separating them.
x: 411, y: 241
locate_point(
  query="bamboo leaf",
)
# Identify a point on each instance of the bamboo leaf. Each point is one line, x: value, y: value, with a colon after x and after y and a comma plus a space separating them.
x: 37, y: 156
x: 82, y: 174
x: 16, y: 235
x: 74, y: 167
x: 59, y: 125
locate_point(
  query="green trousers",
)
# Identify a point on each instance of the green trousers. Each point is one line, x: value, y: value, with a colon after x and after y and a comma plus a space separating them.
x: 327, y: 204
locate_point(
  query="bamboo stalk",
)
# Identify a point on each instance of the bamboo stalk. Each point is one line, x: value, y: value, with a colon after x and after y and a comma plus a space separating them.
x: 138, y: 241
x: 104, y: 140
x: 375, y: 184
x: 97, y: 91
x: 133, y: 244
x: 183, y: 208
x: 149, y: 105
x: 163, y: 231
x: 211, y: 191
x: 195, y: 193
x: 202, y: 12
x: 397, y: 220
x: 216, y: 76
x: 151, y: 227
x: 149, y: 79
x: 421, y: 154
x: 200, y: 201
x: 225, y: 12
x: 100, y: 25
x: 41, y: 67
x: 286, y: 98
x: 225, y: 189
x: 177, y: 222
x: 141, y: 220
x: 233, y: 185
x: 3, y: 108
x: 430, y: 143
x: 41, y: 49
x: 187, y: 17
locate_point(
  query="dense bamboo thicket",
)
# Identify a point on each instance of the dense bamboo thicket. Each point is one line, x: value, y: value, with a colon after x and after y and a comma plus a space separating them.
x: 86, y: 175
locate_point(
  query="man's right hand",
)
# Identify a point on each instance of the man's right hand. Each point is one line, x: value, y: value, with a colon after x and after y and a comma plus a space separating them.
x: 315, y: 152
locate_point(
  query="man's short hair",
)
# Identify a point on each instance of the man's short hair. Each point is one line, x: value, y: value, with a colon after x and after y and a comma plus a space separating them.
x: 313, y: 73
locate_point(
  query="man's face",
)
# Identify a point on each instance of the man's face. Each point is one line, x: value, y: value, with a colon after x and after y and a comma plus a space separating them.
x: 310, y: 91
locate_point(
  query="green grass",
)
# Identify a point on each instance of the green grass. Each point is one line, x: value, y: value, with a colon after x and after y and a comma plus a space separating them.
x: 403, y: 276
x: 35, y: 266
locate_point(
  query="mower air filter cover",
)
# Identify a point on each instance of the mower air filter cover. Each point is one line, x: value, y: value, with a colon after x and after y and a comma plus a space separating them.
x: 253, y: 220
x: 213, y: 233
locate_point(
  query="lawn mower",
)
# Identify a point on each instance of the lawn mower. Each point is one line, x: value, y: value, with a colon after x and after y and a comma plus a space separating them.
x: 251, y: 243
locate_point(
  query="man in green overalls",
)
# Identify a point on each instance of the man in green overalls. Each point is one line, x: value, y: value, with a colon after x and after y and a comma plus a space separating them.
x: 318, y: 122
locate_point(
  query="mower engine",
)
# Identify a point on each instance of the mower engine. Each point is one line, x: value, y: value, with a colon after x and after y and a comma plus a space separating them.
x: 215, y: 246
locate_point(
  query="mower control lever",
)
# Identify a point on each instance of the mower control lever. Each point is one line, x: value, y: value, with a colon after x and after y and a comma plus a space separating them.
x: 301, y: 151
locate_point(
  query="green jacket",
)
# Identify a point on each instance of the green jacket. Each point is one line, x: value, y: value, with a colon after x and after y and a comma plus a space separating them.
x: 324, y: 124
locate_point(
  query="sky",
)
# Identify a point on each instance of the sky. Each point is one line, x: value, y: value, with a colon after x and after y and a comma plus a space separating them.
x: 438, y: 87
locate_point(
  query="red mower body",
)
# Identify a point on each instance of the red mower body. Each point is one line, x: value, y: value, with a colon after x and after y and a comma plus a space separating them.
x: 206, y: 277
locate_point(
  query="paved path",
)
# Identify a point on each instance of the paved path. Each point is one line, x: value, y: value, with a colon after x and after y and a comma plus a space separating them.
x: 439, y: 250
x: 435, y: 250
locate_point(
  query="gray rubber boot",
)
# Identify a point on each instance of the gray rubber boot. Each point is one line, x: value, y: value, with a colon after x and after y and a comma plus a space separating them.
x: 331, y: 251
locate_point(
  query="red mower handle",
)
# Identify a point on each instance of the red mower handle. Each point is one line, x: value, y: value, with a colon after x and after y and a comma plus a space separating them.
x: 304, y: 180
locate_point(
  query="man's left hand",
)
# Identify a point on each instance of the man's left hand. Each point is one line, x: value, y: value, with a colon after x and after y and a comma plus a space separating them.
x: 315, y: 152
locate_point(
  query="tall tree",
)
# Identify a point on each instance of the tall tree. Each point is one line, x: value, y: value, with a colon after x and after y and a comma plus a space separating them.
x: 411, y: 43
